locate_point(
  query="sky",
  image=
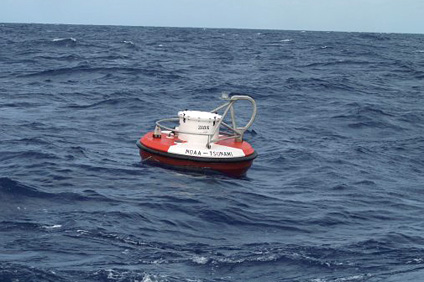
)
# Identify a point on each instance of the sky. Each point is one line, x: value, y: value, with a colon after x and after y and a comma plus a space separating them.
x: 400, y: 16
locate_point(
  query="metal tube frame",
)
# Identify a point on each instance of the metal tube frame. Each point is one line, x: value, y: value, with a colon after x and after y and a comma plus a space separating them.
x: 237, y: 131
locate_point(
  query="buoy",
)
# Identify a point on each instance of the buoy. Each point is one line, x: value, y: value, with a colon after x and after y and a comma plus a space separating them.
x: 202, y: 140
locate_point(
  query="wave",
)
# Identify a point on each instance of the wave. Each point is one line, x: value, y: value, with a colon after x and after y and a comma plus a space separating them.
x: 271, y: 254
x: 68, y: 42
x: 131, y: 275
x: 85, y: 68
x: 28, y: 141
x: 318, y: 84
x: 374, y: 36
x: 338, y: 63
x: 18, y: 272
x: 9, y: 186
x: 64, y: 39
x: 28, y: 155
x: 242, y: 217
x: 20, y: 192
x: 19, y: 105
x: 61, y: 57
x: 368, y: 115
x: 113, y: 102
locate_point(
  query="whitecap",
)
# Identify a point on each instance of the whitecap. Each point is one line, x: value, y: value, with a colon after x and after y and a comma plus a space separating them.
x: 415, y: 260
x: 52, y: 226
x: 352, y: 278
x: 286, y: 40
x: 149, y: 278
x: 64, y: 39
x: 111, y: 274
x: 82, y: 232
x: 200, y: 260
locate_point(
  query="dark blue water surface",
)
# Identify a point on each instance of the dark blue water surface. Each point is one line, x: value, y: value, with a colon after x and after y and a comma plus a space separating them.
x: 336, y: 194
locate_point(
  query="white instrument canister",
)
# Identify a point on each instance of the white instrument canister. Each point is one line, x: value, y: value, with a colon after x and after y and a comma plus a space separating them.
x: 193, y: 123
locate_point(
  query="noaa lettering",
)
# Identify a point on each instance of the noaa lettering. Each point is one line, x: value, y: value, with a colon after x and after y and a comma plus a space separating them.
x: 203, y: 127
x: 215, y: 154
x: 193, y: 152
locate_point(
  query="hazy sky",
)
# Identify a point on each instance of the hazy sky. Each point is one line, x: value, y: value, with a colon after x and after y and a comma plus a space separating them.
x: 330, y: 15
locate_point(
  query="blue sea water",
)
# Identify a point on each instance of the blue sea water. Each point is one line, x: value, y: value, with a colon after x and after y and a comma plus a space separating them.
x: 336, y: 194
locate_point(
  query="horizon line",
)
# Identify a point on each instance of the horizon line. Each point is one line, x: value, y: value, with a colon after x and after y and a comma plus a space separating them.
x: 200, y: 27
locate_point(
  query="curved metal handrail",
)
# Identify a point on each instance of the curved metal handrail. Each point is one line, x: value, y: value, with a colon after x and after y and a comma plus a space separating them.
x: 238, y: 131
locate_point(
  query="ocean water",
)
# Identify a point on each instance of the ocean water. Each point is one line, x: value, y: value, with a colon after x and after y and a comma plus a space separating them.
x: 336, y: 194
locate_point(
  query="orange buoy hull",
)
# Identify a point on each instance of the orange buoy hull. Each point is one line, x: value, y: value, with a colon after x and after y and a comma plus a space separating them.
x: 229, y: 157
